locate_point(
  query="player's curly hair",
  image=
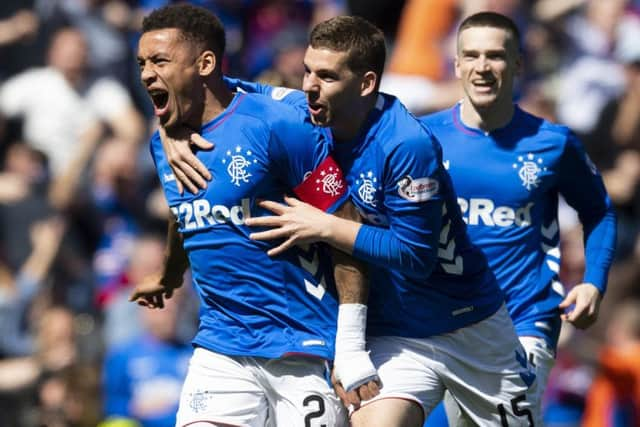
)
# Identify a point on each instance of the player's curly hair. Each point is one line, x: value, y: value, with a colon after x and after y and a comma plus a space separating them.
x: 363, y: 41
x: 196, y: 24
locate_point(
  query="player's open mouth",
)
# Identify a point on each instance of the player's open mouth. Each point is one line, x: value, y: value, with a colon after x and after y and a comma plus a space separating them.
x: 160, y: 99
x: 483, y: 85
x: 315, y: 109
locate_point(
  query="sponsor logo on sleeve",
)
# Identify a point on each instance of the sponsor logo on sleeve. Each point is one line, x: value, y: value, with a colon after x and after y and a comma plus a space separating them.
x: 418, y: 190
x: 279, y: 93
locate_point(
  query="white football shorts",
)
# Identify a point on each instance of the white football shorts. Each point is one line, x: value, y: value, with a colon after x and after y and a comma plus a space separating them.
x: 257, y: 392
x: 483, y: 365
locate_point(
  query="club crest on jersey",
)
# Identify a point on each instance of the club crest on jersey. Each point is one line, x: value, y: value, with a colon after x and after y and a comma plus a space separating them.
x: 237, y: 163
x: 529, y: 169
x: 329, y: 182
x: 418, y: 190
x: 367, y: 186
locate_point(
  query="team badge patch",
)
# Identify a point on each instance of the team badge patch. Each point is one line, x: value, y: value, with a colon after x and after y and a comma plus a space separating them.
x: 529, y: 169
x: 237, y: 163
x: 367, y: 187
x: 418, y: 190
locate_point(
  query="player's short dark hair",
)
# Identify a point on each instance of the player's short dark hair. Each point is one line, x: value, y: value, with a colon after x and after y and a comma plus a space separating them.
x: 363, y: 41
x: 494, y: 20
x: 196, y: 24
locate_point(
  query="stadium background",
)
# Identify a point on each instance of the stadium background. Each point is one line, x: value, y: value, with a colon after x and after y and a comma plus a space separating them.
x: 82, y: 218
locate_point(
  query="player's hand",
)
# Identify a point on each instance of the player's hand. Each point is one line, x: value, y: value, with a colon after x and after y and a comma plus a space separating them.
x: 153, y: 290
x: 354, y: 398
x: 188, y: 170
x: 586, y: 298
x: 296, y: 222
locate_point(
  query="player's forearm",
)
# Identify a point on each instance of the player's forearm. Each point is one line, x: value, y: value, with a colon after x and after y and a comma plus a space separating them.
x: 176, y: 260
x: 350, y: 277
x: 341, y: 233
x: 380, y: 246
x: 349, y: 273
x: 600, y: 241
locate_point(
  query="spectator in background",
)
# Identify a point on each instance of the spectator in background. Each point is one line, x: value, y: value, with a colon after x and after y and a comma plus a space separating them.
x: 61, y: 103
x: 614, y: 143
x: 287, y: 68
x: 614, y: 397
x: 146, y: 259
x: 23, y: 200
x: 117, y: 190
x: 68, y: 386
x: 20, y: 365
x: 142, y: 378
x: 19, y: 26
x: 17, y: 293
x: 590, y: 76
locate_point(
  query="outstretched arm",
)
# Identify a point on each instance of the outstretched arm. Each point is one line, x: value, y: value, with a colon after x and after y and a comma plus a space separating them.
x: 152, y: 292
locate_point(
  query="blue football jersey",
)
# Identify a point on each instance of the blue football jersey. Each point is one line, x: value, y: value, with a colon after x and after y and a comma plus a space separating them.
x: 508, y: 182
x: 253, y: 304
x: 426, y: 277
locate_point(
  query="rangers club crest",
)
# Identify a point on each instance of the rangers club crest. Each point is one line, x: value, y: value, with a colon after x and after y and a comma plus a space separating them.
x: 329, y: 182
x: 529, y: 169
x: 367, y: 186
x: 323, y: 186
x: 237, y: 163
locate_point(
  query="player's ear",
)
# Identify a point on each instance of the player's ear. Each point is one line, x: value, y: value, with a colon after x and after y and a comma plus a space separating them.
x: 207, y: 63
x: 368, y: 84
x: 456, y: 67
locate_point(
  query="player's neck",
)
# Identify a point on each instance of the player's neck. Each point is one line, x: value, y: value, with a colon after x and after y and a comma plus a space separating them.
x: 217, y: 99
x: 495, y: 116
x: 349, y: 127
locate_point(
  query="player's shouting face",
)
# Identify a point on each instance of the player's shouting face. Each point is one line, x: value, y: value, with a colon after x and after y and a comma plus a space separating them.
x: 334, y: 91
x: 169, y: 70
x: 487, y: 62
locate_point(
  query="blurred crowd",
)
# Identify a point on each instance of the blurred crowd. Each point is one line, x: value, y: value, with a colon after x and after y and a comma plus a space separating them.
x: 82, y: 217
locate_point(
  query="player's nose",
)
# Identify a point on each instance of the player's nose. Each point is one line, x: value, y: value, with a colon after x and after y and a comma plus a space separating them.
x: 310, y: 83
x: 147, y: 75
x: 482, y: 64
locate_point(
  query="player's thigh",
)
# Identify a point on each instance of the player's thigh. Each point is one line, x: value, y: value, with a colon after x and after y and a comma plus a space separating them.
x: 485, y: 369
x: 542, y: 358
x: 388, y: 412
x: 405, y: 369
x: 221, y: 390
x: 299, y: 393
